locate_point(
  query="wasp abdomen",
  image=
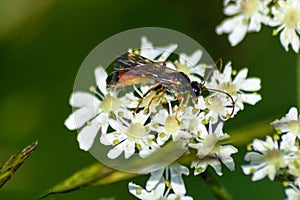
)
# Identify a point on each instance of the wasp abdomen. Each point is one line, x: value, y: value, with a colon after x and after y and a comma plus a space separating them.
x: 112, y: 79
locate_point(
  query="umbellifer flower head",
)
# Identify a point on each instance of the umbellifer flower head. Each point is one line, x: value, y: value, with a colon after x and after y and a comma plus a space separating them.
x: 146, y: 120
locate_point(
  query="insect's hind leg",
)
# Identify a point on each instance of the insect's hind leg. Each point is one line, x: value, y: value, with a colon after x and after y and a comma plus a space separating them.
x: 181, y: 100
x: 153, y: 88
x: 155, y: 97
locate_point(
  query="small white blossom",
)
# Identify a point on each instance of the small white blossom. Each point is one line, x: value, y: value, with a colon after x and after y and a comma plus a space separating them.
x: 158, y: 193
x: 128, y: 136
x: 210, y: 152
x: 292, y: 193
x: 242, y: 89
x: 166, y: 125
x: 246, y: 16
x: 173, y: 175
x: 268, y: 158
x: 92, y: 111
x: 289, y: 124
x: 287, y: 18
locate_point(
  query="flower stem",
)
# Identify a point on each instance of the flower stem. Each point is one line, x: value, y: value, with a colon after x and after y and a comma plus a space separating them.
x: 217, y: 189
x: 298, y: 80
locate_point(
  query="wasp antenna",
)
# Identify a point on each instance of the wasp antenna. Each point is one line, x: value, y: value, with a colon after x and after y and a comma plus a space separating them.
x: 232, y: 101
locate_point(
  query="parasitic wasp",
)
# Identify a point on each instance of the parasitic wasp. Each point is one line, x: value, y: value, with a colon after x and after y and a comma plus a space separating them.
x: 131, y: 69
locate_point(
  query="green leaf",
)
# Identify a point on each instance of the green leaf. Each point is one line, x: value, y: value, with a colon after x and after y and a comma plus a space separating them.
x: 95, y: 174
x: 14, y: 162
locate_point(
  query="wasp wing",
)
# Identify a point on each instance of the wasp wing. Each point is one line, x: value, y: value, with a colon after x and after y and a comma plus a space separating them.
x: 155, y: 72
x: 129, y: 60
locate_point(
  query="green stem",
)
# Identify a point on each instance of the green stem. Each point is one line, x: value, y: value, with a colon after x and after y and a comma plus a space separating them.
x: 217, y: 189
x: 298, y: 80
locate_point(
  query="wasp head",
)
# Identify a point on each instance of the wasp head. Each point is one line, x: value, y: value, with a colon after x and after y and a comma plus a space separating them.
x: 197, y: 88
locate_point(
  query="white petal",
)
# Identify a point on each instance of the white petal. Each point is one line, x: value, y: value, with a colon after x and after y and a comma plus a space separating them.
x: 147, y: 49
x: 232, y: 9
x: 225, y: 156
x: 116, y: 151
x: 295, y: 43
x: 240, y: 77
x: 79, y: 117
x: 248, y: 169
x: 271, y: 172
x: 145, y: 195
x: 216, y: 165
x: 254, y: 157
x: 238, y: 34
x: 289, y: 36
x: 129, y: 149
x: 101, y: 75
x: 255, y: 24
x: 251, y: 99
x: 193, y: 59
x: 227, y: 73
x: 154, y: 179
x: 199, y: 167
x: 260, y: 145
x: 177, y: 182
x: 260, y: 174
x: 251, y: 84
x: 167, y: 52
x: 88, y: 134
x: 227, y: 26
x: 104, y: 140
x: 292, y: 114
x: 116, y: 125
x: 80, y: 99
x: 177, y: 197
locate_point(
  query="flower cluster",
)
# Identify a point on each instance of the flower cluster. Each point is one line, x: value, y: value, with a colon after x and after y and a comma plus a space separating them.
x: 132, y: 123
x: 278, y: 157
x: 249, y: 15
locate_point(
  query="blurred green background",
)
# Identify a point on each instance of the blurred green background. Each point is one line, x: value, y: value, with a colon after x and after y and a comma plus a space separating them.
x: 42, y: 45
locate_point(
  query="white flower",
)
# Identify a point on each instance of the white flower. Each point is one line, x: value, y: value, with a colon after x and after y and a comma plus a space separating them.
x: 210, y: 152
x: 173, y: 176
x: 92, y: 111
x: 287, y: 18
x: 166, y: 125
x: 247, y: 16
x: 239, y: 88
x: 268, y: 159
x: 289, y: 124
x: 157, y: 193
x: 127, y: 136
x: 292, y: 193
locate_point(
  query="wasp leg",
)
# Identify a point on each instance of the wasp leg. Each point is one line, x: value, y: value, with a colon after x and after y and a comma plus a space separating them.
x: 153, y: 88
x: 181, y: 99
x: 187, y: 99
x: 155, y: 97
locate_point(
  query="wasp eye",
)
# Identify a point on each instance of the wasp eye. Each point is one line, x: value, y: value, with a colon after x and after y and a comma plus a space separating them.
x: 196, y: 87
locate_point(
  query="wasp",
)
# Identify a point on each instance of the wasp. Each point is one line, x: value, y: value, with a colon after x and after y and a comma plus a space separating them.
x: 131, y: 69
